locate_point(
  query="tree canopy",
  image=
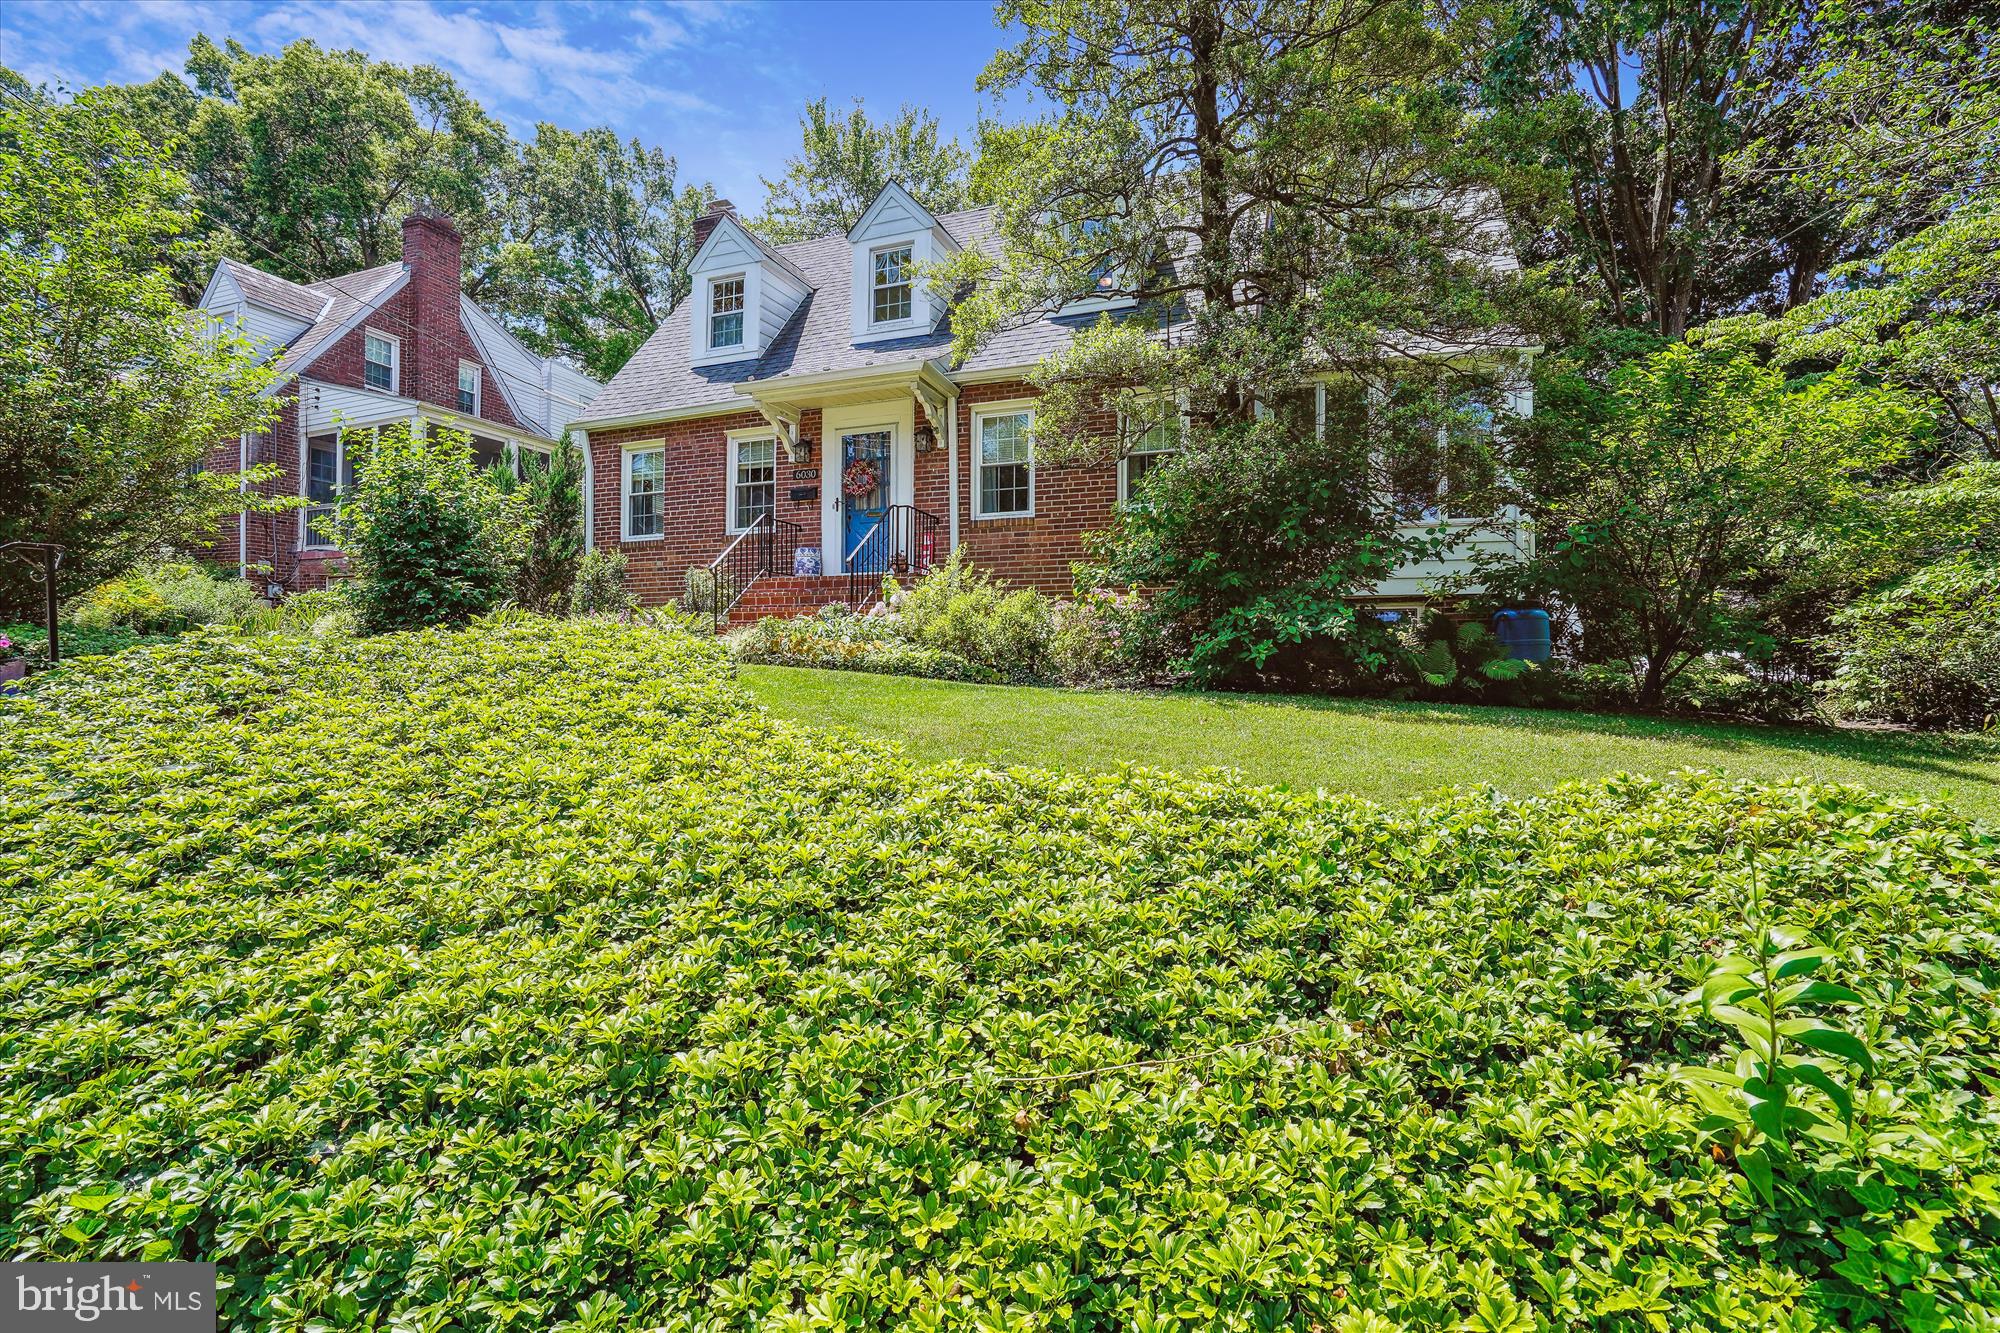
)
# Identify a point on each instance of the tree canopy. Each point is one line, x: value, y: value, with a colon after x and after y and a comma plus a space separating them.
x: 844, y: 161
x: 115, y: 391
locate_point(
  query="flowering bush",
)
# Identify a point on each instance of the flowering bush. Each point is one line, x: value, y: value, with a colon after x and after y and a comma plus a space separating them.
x: 963, y: 611
x: 1098, y: 638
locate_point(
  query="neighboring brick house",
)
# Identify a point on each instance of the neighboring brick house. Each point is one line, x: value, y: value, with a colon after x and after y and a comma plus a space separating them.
x: 803, y: 406
x: 399, y: 343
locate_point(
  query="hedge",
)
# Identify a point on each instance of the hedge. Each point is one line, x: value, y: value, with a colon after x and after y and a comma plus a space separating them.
x: 529, y: 977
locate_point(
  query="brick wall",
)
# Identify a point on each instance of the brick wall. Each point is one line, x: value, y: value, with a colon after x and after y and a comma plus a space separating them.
x: 1069, y: 502
x: 424, y: 315
x: 1035, y: 552
x: 694, y: 514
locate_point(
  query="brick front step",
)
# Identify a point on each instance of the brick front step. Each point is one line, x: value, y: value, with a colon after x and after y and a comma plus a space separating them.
x: 787, y: 596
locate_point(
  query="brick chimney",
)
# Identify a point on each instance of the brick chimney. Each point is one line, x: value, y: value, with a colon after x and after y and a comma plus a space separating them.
x: 705, y: 224
x: 434, y: 252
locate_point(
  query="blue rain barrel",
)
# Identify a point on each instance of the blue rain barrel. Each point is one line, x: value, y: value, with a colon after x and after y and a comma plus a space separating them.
x: 1524, y: 634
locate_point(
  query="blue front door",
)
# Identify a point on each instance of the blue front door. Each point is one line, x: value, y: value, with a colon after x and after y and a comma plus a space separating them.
x: 864, y: 455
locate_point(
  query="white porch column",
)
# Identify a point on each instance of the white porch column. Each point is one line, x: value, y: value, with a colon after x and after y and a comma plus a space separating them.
x: 242, y: 515
x: 589, y: 491
x: 951, y: 462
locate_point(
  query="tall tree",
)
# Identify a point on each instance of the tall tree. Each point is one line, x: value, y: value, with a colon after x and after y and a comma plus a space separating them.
x: 1638, y: 106
x: 1276, y: 186
x: 844, y: 161
x: 306, y: 162
x: 595, y: 239
x: 1710, y: 481
x: 113, y: 390
x: 1895, y: 129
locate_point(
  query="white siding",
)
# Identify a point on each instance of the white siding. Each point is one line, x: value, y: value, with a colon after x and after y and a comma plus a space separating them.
x: 1510, y: 534
x: 268, y: 330
x: 778, y: 296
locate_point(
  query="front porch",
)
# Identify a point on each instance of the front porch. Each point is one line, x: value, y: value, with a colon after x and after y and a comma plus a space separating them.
x: 337, y: 426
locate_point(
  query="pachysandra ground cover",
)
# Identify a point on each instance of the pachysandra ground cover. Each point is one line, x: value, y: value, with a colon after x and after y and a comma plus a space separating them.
x: 528, y: 977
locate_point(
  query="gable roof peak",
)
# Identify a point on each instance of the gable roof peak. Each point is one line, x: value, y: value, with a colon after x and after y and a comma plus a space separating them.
x: 893, y: 195
x: 730, y: 226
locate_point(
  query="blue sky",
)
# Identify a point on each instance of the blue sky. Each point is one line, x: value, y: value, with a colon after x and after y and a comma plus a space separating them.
x: 717, y: 84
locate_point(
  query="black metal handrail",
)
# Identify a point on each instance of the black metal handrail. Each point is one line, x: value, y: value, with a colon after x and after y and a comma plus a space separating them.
x: 903, y: 542
x: 754, y: 554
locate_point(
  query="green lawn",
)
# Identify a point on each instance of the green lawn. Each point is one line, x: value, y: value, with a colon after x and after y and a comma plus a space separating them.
x: 1379, y: 750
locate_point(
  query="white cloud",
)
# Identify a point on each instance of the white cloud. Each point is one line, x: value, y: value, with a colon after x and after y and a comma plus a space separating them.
x: 708, y: 82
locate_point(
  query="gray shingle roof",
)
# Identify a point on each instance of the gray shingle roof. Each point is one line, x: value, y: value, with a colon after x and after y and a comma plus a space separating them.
x: 275, y: 293
x: 343, y: 298
x: 818, y: 337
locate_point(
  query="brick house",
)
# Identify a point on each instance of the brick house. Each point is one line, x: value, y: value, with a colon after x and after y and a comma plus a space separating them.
x: 801, y: 410
x: 392, y: 344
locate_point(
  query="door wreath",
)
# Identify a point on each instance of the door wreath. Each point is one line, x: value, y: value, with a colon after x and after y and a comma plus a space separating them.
x: 860, y: 477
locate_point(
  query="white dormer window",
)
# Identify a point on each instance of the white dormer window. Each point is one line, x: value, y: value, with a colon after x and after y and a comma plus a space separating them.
x: 891, y: 293
x: 725, y: 313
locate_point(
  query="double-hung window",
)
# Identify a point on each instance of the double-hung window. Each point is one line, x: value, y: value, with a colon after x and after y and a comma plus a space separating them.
x: 380, y: 355
x: 725, y: 312
x: 468, y: 388
x: 1006, y: 487
x: 645, y: 479
x: 753, y: 481
x: 891, y: 289
x: 1144, y: 452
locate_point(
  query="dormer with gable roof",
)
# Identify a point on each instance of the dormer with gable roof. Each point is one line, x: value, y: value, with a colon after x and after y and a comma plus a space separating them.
x: 743, y: 292
x: 896, y: 235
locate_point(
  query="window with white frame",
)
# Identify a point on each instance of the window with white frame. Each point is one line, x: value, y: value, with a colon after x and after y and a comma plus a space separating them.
x: 468, y: 388
x: 753, y: 481
x: 1145, y: 448
x: 725, y: 312
x: 381, y: 356
x: 1103, y: 276
x: 1006, y: 487
x: 330, y: 473
x: 1441, y: 470
x: 645, y: 478
x: 891, y: 289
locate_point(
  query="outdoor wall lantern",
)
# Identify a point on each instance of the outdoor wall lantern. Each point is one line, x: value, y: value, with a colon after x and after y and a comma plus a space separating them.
x: 926, y: 439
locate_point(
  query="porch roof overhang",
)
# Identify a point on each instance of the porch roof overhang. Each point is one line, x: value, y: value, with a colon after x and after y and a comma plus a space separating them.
x: 336, y: 406
x: 783, y: 399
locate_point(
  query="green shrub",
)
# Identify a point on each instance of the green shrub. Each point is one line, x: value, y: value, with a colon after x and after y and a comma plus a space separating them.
x: 1707, y: 686
x: 550, y: 494
x: 163, y: 599
x: 32, y: 641
x: 528, y: 976
x: 1093, y: 638
x: 433, y: 540
x: 963, y: 611
x: 1925, y: 652
x: 835, y: 638
x: 600, y: 588
x: 320, y: 611
x: 708, y: 590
